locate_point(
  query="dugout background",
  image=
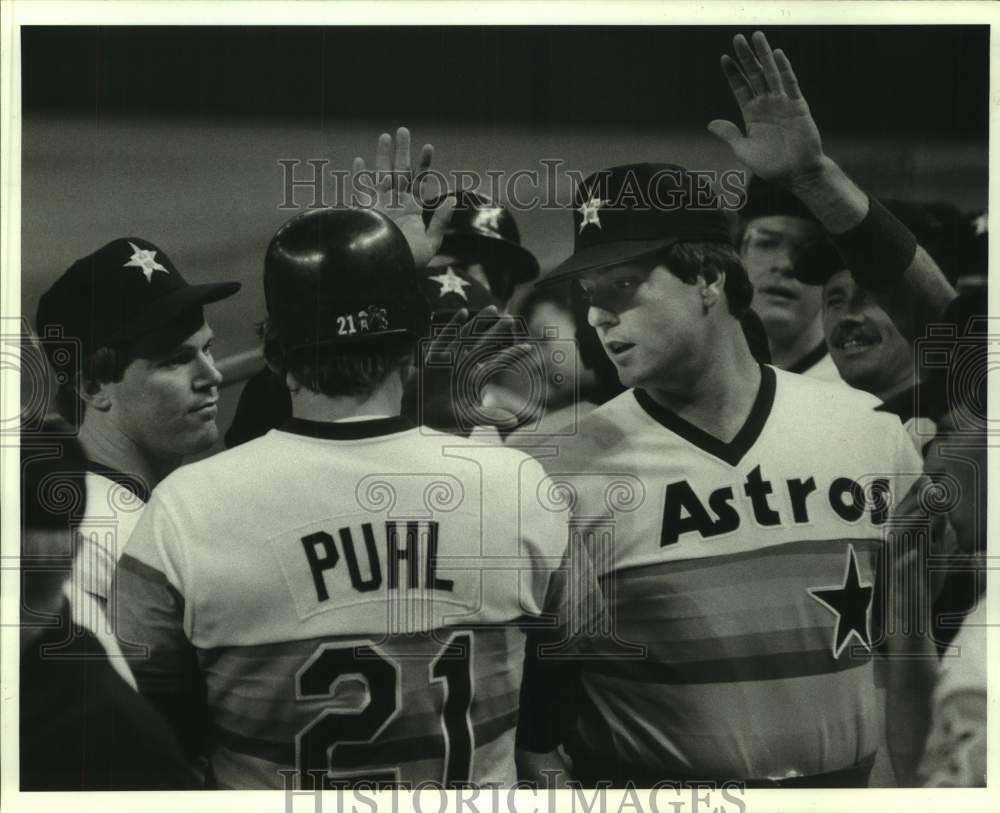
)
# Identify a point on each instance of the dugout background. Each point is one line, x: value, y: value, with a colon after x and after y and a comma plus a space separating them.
x: 174, y: 134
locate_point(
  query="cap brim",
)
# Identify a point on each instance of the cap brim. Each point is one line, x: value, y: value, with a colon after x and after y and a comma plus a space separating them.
x: 165, y: 309
x: 520, y: 263
x: 605, y: 254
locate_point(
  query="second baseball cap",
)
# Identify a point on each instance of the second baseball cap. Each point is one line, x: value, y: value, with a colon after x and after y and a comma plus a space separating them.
x: 124, y: 290
x: 634, y: 209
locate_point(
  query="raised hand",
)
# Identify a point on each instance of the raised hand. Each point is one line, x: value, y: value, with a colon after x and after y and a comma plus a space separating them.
x: 391, y: 185
x: 782, y: 143
x: 448, y: 386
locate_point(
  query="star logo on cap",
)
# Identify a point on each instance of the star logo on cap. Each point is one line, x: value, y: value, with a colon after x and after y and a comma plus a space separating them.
x: 589, y: 210
x: 145, y: 259
x: 451, y: 283
x: 850, y: 602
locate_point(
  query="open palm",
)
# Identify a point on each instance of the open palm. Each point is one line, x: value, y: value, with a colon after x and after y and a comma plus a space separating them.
x: 782, y: 142
x: 398, y: 196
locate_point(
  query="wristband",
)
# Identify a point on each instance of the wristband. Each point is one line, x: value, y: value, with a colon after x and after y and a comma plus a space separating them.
x: 879, y: 249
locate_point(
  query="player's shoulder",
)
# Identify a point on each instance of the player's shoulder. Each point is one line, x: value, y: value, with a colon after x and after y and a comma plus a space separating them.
x: 484, y: 443
x: 835, y: 410
x: 112, y: 494
x: 608, y: 428
x: 216, y: 471
x: 833, y: 395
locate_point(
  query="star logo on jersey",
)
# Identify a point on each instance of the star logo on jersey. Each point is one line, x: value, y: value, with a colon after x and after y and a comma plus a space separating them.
x: 451, y: 283
x: 145, y: 259
x: 850, y: 602
x: 589, y: 210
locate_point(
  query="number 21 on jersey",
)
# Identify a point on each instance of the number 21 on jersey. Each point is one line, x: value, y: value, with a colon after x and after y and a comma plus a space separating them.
x: 339, y: 740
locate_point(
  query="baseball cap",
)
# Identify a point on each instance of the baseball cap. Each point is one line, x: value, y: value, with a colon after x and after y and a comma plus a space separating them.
x: 480, y: 230
x: 126, y: 289
x: 635, y: 209
x: 449, y: 290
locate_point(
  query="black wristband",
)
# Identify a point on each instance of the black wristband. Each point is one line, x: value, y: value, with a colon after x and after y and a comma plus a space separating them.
x: 879, y: 249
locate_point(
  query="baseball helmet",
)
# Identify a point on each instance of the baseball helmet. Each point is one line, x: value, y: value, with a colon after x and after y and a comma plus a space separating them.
x: 485, y: 232
x: 342, y: 276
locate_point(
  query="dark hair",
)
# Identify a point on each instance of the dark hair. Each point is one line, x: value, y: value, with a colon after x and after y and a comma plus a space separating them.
x: 688, y: 261
x: 351, y: 370
x: 104, y: 365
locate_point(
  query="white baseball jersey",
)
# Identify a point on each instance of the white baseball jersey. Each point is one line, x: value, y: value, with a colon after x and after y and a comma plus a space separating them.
x: 818, y: 364
x: 352, y: 594
x: 740, y: 579
x: 114, y: 504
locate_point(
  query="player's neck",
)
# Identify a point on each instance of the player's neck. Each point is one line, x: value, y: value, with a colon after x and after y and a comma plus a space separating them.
x: 383, y: 402
x: 794, y: 348
x: 719, y: 397
x: 104, y: 443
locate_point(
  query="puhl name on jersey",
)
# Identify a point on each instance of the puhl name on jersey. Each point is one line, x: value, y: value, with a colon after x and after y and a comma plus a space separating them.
x: 404, y: 544
x: 684, y: 512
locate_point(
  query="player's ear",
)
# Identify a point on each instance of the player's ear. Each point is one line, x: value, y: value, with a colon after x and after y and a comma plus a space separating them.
x: 95, y: 394
x: 292, y: 383
x: 713, y: 286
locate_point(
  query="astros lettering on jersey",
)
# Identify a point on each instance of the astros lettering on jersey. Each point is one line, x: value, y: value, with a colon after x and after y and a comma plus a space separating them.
x: 739, y: 577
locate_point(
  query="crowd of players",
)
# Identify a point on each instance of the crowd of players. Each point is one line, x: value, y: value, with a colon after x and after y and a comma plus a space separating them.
x: 730, y: 531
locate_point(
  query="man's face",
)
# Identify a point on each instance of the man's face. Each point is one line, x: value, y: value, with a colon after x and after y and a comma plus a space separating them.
x: 863, y: 341
x: 770, y: 245
x: 648, y: 320
x: 166, y: 404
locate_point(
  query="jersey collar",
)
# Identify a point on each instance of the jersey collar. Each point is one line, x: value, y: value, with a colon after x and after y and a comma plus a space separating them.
x: 733, y: 451
x: 347, y: 430
x: 813, y: 357
x: 132, y: 482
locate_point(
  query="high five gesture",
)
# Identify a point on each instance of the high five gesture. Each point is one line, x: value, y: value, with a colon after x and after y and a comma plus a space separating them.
x: 782, y: 143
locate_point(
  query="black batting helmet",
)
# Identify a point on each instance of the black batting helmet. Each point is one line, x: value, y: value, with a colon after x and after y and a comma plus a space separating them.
x: 485, y: 232
x: 341, y: 276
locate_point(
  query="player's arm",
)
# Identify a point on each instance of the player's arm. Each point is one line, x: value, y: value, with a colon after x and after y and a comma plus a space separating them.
x: 147, y: 608
x: 574, y: 603
x: 782, y: 144
x: 568, y: 607
x: 548, y: 688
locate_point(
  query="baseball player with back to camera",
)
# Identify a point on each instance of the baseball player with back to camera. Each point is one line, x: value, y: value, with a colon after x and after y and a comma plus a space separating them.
x: 476, y: 267
x: 129, y: 340
x: 352, y: 613
x: 743, y: 565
